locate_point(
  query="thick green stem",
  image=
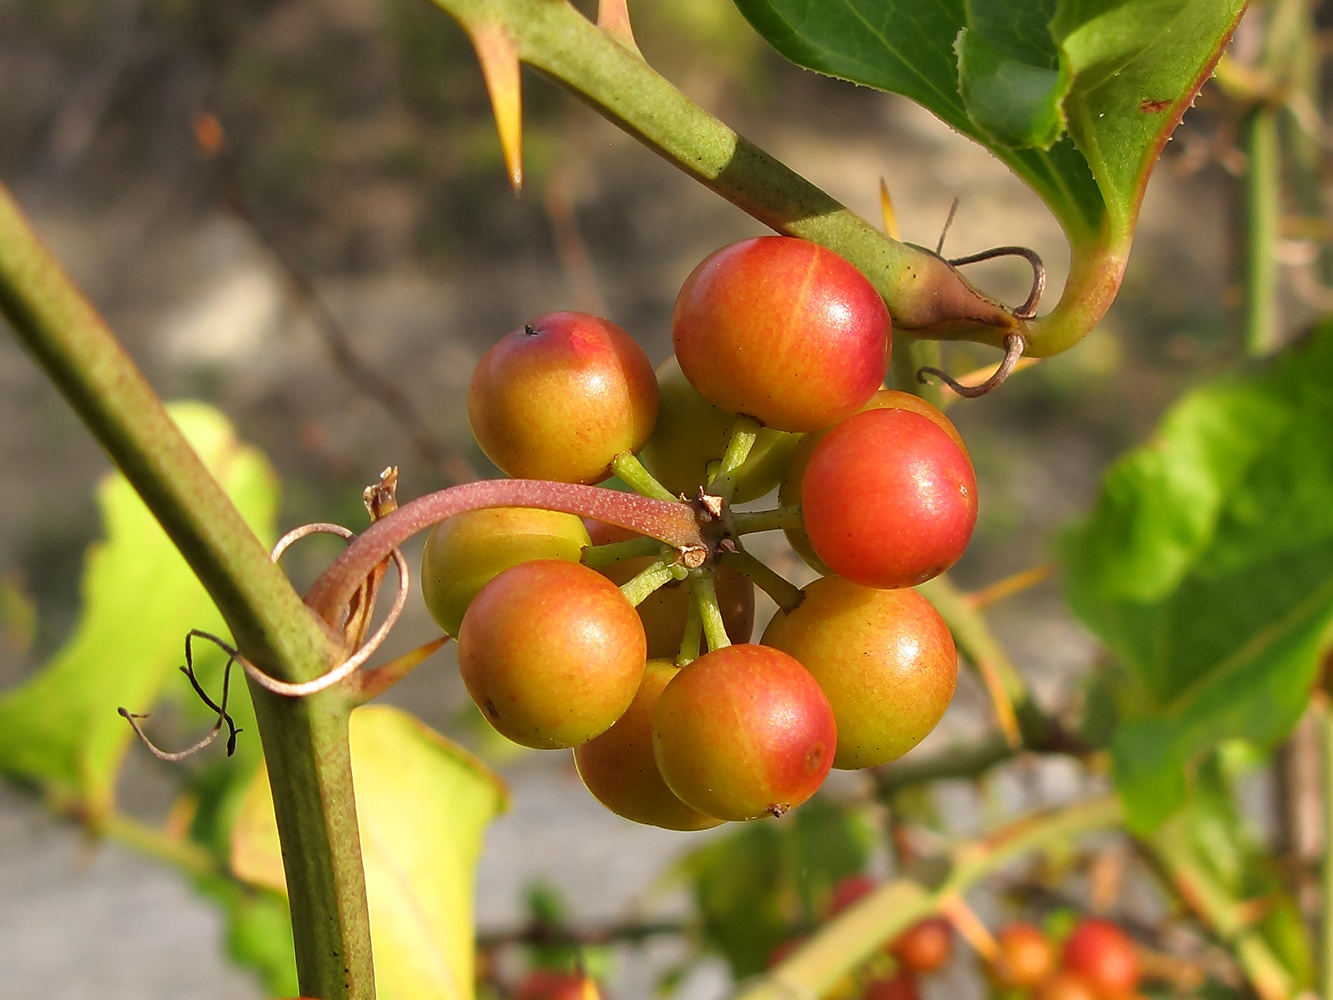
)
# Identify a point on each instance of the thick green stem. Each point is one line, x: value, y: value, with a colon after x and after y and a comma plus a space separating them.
x: 910, y: 355
x: 305, y: 740
x: 859, y: 932
x: 921, y: 289
x: 1263, y: 209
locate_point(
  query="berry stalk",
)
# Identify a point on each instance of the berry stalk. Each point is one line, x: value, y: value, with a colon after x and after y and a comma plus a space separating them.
x: 670, y: 522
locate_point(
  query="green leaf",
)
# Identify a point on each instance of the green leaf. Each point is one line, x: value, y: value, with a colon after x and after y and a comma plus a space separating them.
x: 1012, y: 77
x: 1014, y: 74
x: 1207, y: 567
x: 60, y: 729
x: 422, y: 805
x: 755, y: 888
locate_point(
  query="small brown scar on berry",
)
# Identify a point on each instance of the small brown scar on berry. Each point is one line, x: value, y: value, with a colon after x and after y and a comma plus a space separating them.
x: 778, y: 809
x: 1150, y: 107
x: 491, y: 710
x: 529, y: 330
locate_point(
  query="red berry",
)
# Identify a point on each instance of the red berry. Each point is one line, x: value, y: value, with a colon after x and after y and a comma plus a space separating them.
x: 884, y: 658
x: 1104, y: 957
x: 552, y: 653
x: 889, y: 500
x: 899, y: 987
x: 1026, y: 957
x: 561, y: 398
x: 744, y: 731
x: 782, y: 330
x: 925, y: 946
x: 789, y: 493
x: 550, y: 984
x: 619, y: 769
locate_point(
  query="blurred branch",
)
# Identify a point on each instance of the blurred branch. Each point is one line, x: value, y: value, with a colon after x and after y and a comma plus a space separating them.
x: 1324, y: 951
x: 858, y: 932
x: 1231, y: 921
x: 337, y: 341
x: 630, y: 932
x: 978, y: 643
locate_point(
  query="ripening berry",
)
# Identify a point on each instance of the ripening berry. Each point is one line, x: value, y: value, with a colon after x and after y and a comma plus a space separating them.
x: 744, y: 731
x: 889, y: 499
x: 619, y: 769
x: 552, y: 653
x: 884, y: 658
x: 561, y: 397
x: 782, y: 330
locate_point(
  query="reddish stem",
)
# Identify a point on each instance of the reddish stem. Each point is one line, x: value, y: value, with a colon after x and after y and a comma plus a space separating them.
x: 671, y: 522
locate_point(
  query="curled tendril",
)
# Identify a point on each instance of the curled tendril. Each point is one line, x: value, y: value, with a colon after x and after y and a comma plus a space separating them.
x: 223, y: 716
x: 1014, y: 343
x: 350, y: 665
x: 326, y: 680
x: 1028, y: 310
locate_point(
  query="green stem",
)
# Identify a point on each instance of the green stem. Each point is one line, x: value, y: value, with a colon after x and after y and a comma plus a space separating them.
x: 305, y: 740
x: 692, y: 639
x: 156, y: 843
x: 910, y: 355
x: 703, y: 594
x: 1009, y: 694
x: 852, y: 937
x: 1263, y: 209
x: 1325, y: 949
x: 784, y: 593
x: 648, y: 580
x: 743, y: 434
x: 961, y: 762
x: 640, y: 480
x: 921, y: 289
x: 601, y: 556
x: 744, y: 522
x: 1172, y: 849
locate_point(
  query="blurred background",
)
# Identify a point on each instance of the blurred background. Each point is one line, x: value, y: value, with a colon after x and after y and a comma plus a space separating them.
x: 331, y: 275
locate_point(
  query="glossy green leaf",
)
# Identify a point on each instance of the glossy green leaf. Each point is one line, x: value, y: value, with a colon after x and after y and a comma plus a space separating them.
x: 1207, y: 567
x: 1011, y: 76
x: 422, y: 805
x: 754, y: 888
x: 1115, y: 75
x: 60, y: 729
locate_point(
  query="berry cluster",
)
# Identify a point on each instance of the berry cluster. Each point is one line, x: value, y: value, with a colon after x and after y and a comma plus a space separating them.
x: 1098, y: 962
x: 572, y: 633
